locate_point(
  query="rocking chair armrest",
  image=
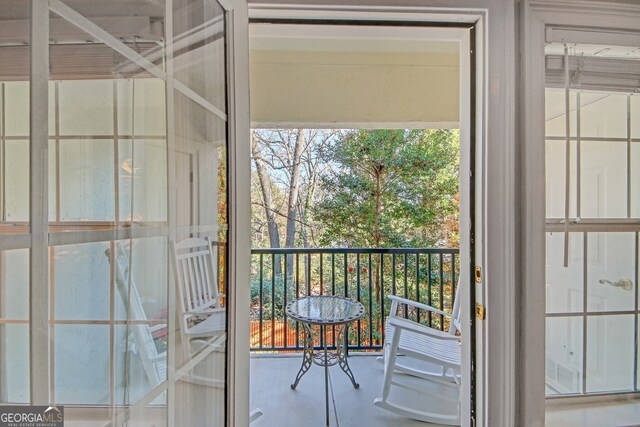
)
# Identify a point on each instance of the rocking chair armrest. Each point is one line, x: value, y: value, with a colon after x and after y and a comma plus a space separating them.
x: 206, y: 312
x: 405, y: 324
x: 417, y: 305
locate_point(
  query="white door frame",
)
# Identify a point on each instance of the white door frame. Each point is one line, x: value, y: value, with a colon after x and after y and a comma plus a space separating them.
x: 537, y: 17
x: 439, y: 15
x: 239, y: 215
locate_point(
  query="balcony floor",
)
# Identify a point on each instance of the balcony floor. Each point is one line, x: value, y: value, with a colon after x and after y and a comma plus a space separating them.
x: 283, y: 407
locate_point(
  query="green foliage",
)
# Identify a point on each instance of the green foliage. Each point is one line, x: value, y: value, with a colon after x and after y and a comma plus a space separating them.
x: 391, y: 188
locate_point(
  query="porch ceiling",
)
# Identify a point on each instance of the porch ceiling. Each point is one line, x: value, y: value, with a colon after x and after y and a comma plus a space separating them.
x: 351, y: 76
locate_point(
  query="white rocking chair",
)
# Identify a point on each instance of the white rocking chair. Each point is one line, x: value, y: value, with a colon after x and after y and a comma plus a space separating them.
x: 416, y: 344
x: 202, y: 317
x: 153, y: 361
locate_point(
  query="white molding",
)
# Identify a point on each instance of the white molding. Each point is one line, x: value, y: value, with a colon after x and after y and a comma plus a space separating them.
x: 532, y: 304
x: 172, y: 216
x: 239, y: 213
x: 39, y: 332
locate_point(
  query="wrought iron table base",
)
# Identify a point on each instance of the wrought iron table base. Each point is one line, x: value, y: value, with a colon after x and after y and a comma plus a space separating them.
x: 325, y: 358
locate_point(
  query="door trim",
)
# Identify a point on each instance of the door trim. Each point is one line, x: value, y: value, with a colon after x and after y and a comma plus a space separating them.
x: 471, y: 107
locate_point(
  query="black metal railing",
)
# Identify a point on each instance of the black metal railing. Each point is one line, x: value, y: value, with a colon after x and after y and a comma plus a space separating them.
x: 428, y: 275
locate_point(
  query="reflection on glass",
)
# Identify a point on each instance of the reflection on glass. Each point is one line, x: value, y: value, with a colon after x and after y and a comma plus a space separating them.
x: 635, y: 116
x: 110, y: 154
x: 142, y: 179
x: 140, y: 361
x: 145, y: 108
x: 16, y: 114
x: 16, y: 180
x: 611, y: 261
x: 14, y: 284
x: 200, y: 140
x: 87, y: 190
x: 14, y: 353
x: 603, y: 114
x: 635, y: 178
x: 603, y: 179
x: 555, y: 115
x: 199, y: 44
x: 81, y: 364
x: 146, y: 288
x: 610, y: 353
x: 81, y: 282
x: 555, y: 179
x: 86, y: 107
x: 564, y: 286
x: 564, y: 355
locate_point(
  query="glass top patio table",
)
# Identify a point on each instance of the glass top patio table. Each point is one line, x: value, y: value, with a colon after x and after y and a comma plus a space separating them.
x: 325, y: 310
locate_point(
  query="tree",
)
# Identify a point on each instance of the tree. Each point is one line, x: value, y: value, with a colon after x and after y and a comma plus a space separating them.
x: 391, y: 188
x: 265, y: 187
x: 287, y: 164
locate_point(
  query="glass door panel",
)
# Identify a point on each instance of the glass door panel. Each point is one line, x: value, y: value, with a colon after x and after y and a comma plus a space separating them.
x: 137, y: 161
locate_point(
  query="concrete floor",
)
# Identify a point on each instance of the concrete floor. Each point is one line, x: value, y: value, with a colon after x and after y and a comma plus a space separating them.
x: 283, y: 407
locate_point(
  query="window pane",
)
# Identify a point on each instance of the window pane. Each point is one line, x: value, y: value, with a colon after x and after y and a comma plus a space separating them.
x: 81, y: 358
x: 148, y: 287
x: 610, y: 271
x: 14, y: 371
x: 603, y: 179
x: 81, y: 282
x: 200, y: 145
x: 564, y: 355
x: 610, y: 353
x: 87, y: 190
x: 635, y: 116
x: 140, y: 362
x: 16, y: 180
x: 201, y: 58
x: 555, y: 169
x: 635, y: 179
x: 564, y: 286
x: 555, y: 112
x: 603, y: 114
x: 146, y: 169
x: 149, y: 112
x: 14, y: 284
x: 86, y: 107
x: 16, y: 109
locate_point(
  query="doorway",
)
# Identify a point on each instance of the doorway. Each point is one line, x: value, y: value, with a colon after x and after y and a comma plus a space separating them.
x: 278, y: 106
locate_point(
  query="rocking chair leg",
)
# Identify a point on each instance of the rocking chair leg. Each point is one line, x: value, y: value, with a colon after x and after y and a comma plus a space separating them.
x: 389, y: 364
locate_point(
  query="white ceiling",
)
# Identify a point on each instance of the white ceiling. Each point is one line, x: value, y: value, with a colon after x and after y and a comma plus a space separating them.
x: 19, y: 9
x: 347, y: 38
